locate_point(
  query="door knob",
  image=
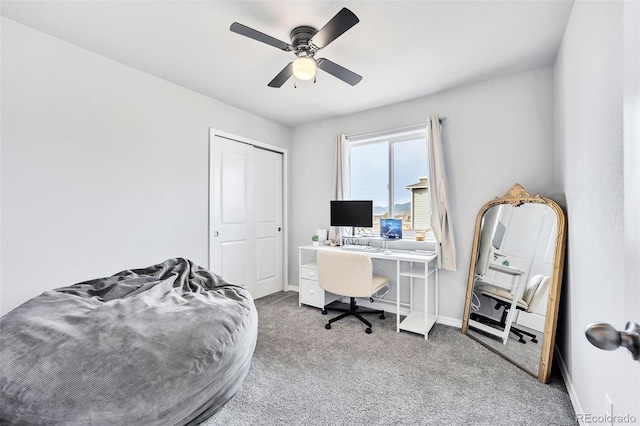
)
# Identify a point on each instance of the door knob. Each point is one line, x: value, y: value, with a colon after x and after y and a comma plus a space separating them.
x: 605, y: 336
x: 216, y: 233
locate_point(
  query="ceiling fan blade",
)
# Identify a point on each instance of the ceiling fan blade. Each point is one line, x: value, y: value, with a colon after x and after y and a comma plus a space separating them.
x: 340, y: 23
x: 282, y: 76
x: 338, y: 71
x: 237, y: 27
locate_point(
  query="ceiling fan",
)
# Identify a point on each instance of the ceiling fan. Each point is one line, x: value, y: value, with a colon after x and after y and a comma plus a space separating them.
x: 306, y: 41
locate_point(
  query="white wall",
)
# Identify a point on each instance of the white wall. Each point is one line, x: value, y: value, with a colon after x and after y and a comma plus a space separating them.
x: 103, y: 167
x: 589, y: 135
x: 497, y: 133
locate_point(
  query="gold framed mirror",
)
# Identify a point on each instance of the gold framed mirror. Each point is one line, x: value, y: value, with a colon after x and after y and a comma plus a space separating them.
x: 515, y: 275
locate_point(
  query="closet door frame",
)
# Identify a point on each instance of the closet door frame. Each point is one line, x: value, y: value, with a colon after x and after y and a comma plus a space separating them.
x: 285, y: 198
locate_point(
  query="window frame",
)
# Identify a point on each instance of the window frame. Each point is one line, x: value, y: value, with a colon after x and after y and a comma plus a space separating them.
x: 391, y: 137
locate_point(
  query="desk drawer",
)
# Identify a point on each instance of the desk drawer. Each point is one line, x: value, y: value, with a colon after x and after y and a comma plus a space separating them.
x: 309, y: 273
x: 311, y: 293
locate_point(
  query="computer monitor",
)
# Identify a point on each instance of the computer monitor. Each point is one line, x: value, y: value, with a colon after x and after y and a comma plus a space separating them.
x: 498, y: 235
x: 353, y: 213
x: 391, y: 228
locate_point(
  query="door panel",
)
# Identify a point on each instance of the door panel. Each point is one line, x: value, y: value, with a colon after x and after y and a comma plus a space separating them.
x: 268, y: 222
x: 234, y: 187
x: 234, y: 262
x: 246, y: 215
x: 267, y: 257
x: 231, y: 225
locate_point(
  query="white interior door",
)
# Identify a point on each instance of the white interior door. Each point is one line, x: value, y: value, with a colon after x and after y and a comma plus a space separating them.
x: 268, y: 221
x: 246, y: 215
x: 231, y: 224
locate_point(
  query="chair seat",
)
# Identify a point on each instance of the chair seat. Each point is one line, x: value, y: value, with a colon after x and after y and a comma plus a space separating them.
x: 379, y: 281
x: 502, y: 295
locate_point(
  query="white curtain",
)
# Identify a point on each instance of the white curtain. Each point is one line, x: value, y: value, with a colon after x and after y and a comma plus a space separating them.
x: 485, y: 249
x: 342, y: 176
x: 440, y: 216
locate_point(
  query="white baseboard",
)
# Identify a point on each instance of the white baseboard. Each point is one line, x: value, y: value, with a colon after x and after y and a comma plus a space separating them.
x: 453, y: 322
x: 577, y: 407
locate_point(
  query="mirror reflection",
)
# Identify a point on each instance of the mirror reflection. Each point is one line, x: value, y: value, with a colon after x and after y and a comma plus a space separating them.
x: 511, y: 280
x: 514, y: 279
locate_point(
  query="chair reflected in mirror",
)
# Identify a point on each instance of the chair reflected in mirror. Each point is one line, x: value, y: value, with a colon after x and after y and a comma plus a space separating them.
x: 533, y: 294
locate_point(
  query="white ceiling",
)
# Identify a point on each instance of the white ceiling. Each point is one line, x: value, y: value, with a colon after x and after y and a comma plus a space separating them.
x: 403, y: 49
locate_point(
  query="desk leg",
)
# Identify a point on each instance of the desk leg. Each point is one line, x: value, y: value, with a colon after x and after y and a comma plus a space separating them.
x: 412, y: 306
x: 397, y: 296
x: 426, y: 301
x: 435, y: 302
x: 426, y: 298
x: 512, y: 309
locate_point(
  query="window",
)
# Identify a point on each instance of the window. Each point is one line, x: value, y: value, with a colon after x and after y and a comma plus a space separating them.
x: 391, y: 168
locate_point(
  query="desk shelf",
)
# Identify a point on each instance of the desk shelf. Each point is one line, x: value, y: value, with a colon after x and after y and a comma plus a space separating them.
x: 412, y: 270
x: 418, y: 272
x: 483, y: 327
x: 516, y: 288
x: 416, y: 323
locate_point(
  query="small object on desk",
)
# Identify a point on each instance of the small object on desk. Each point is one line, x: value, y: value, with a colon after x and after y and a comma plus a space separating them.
x: 387, y: 252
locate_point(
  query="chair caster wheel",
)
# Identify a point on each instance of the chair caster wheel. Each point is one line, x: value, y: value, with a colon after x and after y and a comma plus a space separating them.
x: 327, y: 326
x: 367, y: 330
x: 371, y: 299
x: 324, y: 312
x: 382, y: 316
x: 534, y: 340
x: 522, y: 341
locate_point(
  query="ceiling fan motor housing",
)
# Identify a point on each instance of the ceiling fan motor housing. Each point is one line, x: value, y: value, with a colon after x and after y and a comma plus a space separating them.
x: 300, y: 37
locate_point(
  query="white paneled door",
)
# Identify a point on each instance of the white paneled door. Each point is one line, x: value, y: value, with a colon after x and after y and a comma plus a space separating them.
x: 267, y: 173
x: 246, y: 215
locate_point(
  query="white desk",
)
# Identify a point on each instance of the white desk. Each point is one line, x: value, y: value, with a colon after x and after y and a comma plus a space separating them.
x: 416, y: 268
x: 517, y: 289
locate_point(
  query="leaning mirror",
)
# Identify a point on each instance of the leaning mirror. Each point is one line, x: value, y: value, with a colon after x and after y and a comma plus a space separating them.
x: 514, y: 280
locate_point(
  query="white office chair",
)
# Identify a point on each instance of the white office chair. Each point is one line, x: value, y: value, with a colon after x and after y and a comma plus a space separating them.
x: 349, y: 274
x: 536, y: 288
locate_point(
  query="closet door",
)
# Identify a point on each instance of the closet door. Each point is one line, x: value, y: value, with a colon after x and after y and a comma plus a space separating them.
x: 231, y: 224
x: 246, y: 243
x: 268, y: 222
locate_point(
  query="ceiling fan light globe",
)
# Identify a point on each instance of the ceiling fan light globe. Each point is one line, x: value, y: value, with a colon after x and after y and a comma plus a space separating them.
x: 304, y: 68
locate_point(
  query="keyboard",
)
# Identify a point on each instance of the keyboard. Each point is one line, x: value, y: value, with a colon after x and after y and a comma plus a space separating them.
x: 366, y: 249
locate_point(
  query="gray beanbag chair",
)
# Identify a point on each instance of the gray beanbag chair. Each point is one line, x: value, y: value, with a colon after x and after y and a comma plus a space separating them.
x: 164, y: 345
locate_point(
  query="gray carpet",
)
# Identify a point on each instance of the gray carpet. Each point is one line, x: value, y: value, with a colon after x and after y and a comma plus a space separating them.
x: 526, y: 354
x: 304, y: 374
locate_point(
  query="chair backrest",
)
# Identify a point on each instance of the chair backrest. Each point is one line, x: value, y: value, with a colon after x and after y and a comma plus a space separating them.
x: 539, y: 293
x: 345, y: 273
x: 532, y: 287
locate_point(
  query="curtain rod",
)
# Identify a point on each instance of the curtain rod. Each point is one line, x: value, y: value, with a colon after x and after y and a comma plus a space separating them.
x: 390, y: 131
